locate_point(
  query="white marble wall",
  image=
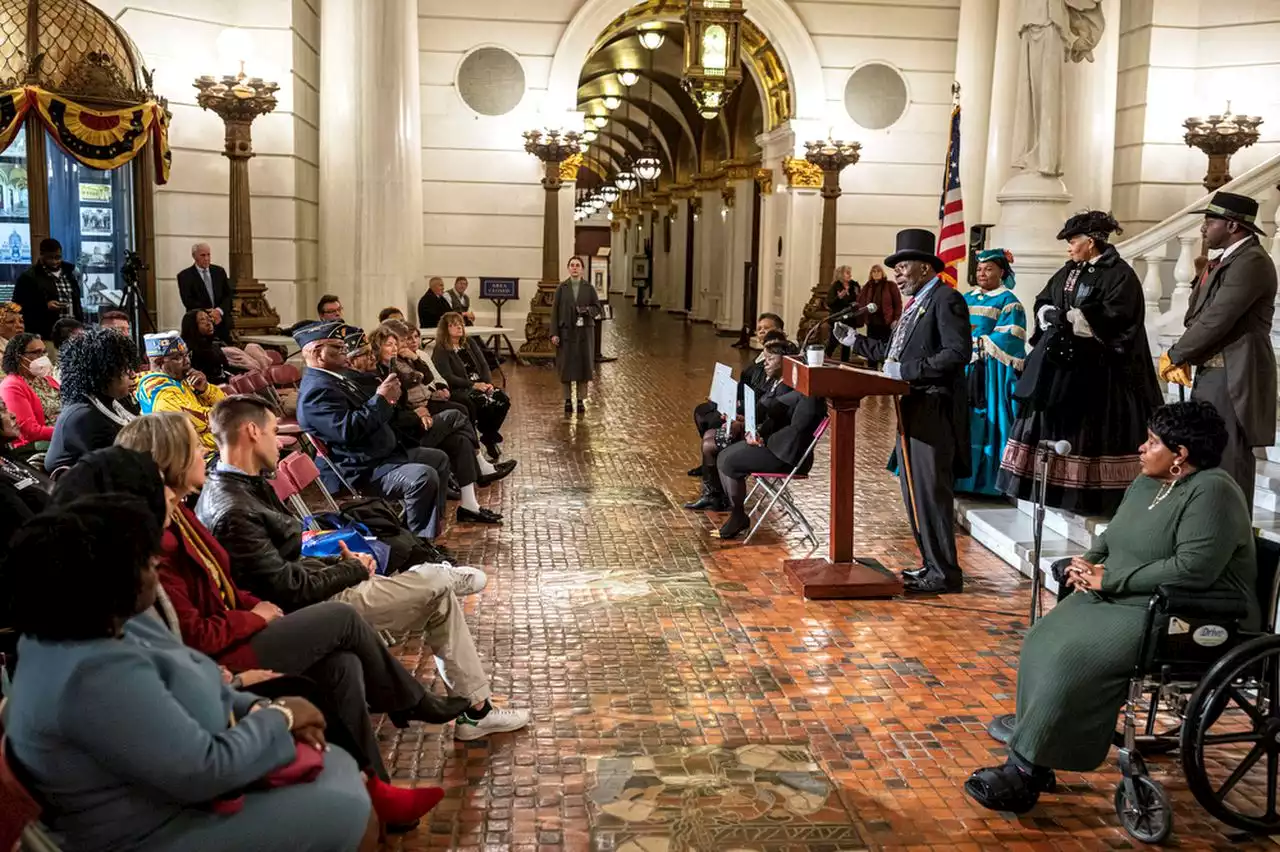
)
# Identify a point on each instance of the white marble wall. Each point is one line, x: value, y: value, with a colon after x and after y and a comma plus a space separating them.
x: 1180, y: 58
x: 178, y: 39
x: 898, y: 181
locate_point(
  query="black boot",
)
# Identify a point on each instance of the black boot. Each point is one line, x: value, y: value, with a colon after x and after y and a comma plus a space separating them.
x: 739, y: 521
x: 712, y: 498
x: 432, y: 709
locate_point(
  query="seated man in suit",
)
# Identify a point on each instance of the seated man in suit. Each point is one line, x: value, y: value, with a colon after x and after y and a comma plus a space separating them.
x: 459, y: 301
x: 357, y: 429
x: 707, y: 415
x: 930, y: 349
x: 433, y: 304
x: 205, y: 286
x: 48, y: 291
x: 172, y: 385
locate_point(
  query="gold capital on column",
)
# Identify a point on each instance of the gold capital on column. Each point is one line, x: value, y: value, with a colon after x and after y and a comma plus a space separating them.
x: 801, y: 174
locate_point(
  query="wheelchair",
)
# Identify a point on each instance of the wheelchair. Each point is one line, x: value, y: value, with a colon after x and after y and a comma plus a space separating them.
x: 1216, y: 689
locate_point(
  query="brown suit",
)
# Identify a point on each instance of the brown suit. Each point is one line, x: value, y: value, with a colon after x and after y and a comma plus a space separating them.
x: 1228, y: 340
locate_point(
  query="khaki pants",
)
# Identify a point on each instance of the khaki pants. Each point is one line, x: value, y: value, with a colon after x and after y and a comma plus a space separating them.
x: 424, y: 600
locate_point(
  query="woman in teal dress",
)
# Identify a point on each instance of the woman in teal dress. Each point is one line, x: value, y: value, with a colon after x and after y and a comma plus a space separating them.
x: 999, y: 328
x: 1183, y: 523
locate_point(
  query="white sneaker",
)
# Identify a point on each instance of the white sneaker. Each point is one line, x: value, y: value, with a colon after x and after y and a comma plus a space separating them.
x: 463, y: 579
x: 499, y: 721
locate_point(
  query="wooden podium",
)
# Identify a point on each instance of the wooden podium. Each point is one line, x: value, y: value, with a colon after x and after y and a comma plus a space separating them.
x: 840, y: 574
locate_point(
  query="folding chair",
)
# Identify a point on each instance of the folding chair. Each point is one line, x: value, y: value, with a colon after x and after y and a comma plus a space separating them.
x: 322, y: 453
x: 301, y: 472
x: 255, y: 383
x: 778, y: 486
x: 284, y: 376
x: 274, y: 357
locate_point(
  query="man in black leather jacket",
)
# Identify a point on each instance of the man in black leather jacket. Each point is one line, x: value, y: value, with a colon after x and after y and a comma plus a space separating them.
x: 264, y: 544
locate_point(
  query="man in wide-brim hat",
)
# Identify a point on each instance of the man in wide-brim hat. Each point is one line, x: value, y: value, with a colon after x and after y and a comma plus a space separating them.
x: 1228, y: 333
x: 929, y: 349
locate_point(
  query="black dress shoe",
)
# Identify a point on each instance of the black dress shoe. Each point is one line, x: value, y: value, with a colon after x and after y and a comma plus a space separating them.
x: 709, y: 502
x: 432, y: 709
x: 453, y: 494
x: 484, y: 516
x: 582, y: 407
x: 736, y: 525
x: 932, y: 584
x: 695, y: 471
x: 439, y: 553
x: 501, y: 470
x: 915, y: 573
x: 568, y: 406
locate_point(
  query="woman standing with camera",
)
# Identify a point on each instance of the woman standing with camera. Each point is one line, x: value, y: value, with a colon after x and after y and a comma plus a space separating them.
x: 574, y: 314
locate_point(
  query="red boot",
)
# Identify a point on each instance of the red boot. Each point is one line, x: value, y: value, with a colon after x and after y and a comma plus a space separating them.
x: 400, y: 808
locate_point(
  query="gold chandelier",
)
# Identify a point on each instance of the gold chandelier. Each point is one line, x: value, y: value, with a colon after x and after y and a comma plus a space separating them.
x: 711, y: 46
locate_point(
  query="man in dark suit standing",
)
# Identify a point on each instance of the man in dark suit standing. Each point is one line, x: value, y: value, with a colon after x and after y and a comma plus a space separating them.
x: 48, y: 291
x: 1228, y: 334
x: 929, y: 349
x: 204, y: 286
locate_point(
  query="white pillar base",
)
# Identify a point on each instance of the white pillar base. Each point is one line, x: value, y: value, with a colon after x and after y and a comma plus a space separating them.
x: 1032, y: 209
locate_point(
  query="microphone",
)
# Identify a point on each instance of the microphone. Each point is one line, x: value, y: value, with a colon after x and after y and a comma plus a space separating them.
x: 830, y: 319
x: 1060, y: 448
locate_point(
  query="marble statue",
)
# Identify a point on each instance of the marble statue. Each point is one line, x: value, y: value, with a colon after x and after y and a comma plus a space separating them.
x: 1052, y: 32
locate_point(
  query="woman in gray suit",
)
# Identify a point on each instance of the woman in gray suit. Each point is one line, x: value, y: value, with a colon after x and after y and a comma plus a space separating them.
x: 131, y: 740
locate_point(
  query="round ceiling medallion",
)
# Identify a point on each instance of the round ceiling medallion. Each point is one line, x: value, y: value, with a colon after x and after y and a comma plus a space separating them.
x: 491, y: 81
x: 875, y: 96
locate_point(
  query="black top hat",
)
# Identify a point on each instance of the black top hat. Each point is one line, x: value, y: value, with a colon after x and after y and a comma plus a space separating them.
x: 1233, y: 208
x: 916, y: 244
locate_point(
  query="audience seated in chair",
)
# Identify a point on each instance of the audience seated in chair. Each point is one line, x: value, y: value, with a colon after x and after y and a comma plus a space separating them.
x: 774, y: 403
x: 173, y: 385
x: 127, y: 738
x: 216, y: 360
x: 329, y: 643
x: 356, y: 427
x: 783, y: 444
x: 1183, y: 523
x: 707, y: 415
x: 30, y: 391
x: 97, y: 372
x: 264, y: 545
x: 461, y: 362
x: 24, y: 491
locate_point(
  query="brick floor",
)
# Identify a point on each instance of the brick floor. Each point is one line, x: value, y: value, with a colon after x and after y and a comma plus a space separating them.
x: 683, y: 697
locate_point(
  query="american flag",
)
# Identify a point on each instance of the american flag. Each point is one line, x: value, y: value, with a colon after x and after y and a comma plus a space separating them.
x: 952, y: 241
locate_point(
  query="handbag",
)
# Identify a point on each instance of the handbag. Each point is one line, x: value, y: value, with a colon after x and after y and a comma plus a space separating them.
x: 306, y: 766
x: 383, y: 523
x: 358, y: 539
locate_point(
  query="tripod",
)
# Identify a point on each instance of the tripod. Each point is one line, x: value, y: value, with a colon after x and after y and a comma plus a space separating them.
x: 134, y: 303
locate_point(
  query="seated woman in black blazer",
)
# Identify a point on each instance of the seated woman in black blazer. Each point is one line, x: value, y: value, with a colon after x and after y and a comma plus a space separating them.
x: 785, y: 434
x: 461, y: 362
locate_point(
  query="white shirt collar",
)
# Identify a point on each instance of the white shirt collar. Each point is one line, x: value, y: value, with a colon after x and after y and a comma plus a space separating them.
x: 1226, y: 252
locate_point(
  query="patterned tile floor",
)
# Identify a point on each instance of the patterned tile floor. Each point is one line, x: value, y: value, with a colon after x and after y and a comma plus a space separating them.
x: 683, y: 698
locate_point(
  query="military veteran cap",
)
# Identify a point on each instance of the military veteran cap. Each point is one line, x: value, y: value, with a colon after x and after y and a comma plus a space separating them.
x: 319, y: 331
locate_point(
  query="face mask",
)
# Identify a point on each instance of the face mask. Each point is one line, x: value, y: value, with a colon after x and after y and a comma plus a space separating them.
x: 41, y: 367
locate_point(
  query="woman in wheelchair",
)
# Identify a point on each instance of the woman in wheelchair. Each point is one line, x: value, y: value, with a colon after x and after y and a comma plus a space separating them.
x: 1183, y: 522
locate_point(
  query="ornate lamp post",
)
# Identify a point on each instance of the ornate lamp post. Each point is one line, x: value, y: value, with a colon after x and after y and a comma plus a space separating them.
x: 831, y: 157
x: 1220, y: 136
x: 553, y: 148
x: 238, y: 100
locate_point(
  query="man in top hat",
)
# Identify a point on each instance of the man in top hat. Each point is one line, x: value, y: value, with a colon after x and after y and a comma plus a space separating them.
x: 171, y: 385
x: 356, y: 426
x: 1228, y: 333
x: 929, y: 349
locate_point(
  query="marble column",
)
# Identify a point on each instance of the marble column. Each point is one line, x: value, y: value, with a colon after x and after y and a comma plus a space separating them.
x: 677, y: 258
x: 617, y: 260
x: 1089, y: 126
x: 975, y: 65
x: 741, y: 189
x: 370, y: 157
x: 802, y: 241
x: 1004, y: 78
x: 707, y: 289
x: 660, y: 268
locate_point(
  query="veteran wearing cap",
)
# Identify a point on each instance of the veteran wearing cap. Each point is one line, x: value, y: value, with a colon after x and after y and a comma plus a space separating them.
x: 171, y: 385
x: 1228, y: 333
x: 356, y: 426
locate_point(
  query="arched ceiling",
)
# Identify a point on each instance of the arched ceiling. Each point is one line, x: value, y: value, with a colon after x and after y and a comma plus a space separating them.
x: 657, y: 104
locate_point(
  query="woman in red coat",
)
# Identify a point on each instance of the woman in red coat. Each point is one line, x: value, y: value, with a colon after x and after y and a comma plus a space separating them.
x: 29, y: 390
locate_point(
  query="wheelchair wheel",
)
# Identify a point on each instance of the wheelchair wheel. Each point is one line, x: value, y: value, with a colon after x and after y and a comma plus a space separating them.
x: 1148, y: 817
x: 1231, y: 739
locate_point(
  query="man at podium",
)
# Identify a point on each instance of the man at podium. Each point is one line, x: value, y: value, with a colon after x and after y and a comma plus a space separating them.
x: 929, y: 349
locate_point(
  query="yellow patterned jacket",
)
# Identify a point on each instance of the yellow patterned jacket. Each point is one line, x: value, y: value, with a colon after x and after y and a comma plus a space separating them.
x: 159, y: 391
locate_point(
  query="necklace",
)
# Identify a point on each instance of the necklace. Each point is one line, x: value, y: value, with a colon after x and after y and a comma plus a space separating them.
x: 1165, y: 491
x: 116, y: 414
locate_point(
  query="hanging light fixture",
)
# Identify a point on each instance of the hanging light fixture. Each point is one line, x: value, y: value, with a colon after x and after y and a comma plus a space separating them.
x: 652, y: 36
x: 628, y: 78
x: 589, y: 136
x: 711, y: 47
x: 609, y: 193
x: 599, y: 121
x: 612, y: 102
x: 625, y: 179
x: 648, y: 165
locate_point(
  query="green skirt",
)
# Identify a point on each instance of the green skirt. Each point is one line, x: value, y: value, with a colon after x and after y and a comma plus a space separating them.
x: 1073, y: 677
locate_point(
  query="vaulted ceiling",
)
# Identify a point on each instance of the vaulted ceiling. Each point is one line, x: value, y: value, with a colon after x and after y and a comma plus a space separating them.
x: 658, y: 104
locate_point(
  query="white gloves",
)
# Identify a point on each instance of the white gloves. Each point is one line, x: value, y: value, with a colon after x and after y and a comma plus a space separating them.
x: 1079, y: 325
x: 893, y: 369
x: 871, y: 307
x: 844, y: 333
x: 1045, y: 316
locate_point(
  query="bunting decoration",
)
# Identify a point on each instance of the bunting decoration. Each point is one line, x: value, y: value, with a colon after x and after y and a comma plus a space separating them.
x: 99, y: 140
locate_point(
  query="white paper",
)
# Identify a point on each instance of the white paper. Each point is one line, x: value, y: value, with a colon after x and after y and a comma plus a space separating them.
x: 724, y: 390
x: 749, y: 411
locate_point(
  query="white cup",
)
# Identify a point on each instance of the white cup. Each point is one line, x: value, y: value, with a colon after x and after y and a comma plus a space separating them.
x: 814, y: 356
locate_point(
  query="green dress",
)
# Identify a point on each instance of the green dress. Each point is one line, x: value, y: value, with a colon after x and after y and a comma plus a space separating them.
x: 1076, y: 661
